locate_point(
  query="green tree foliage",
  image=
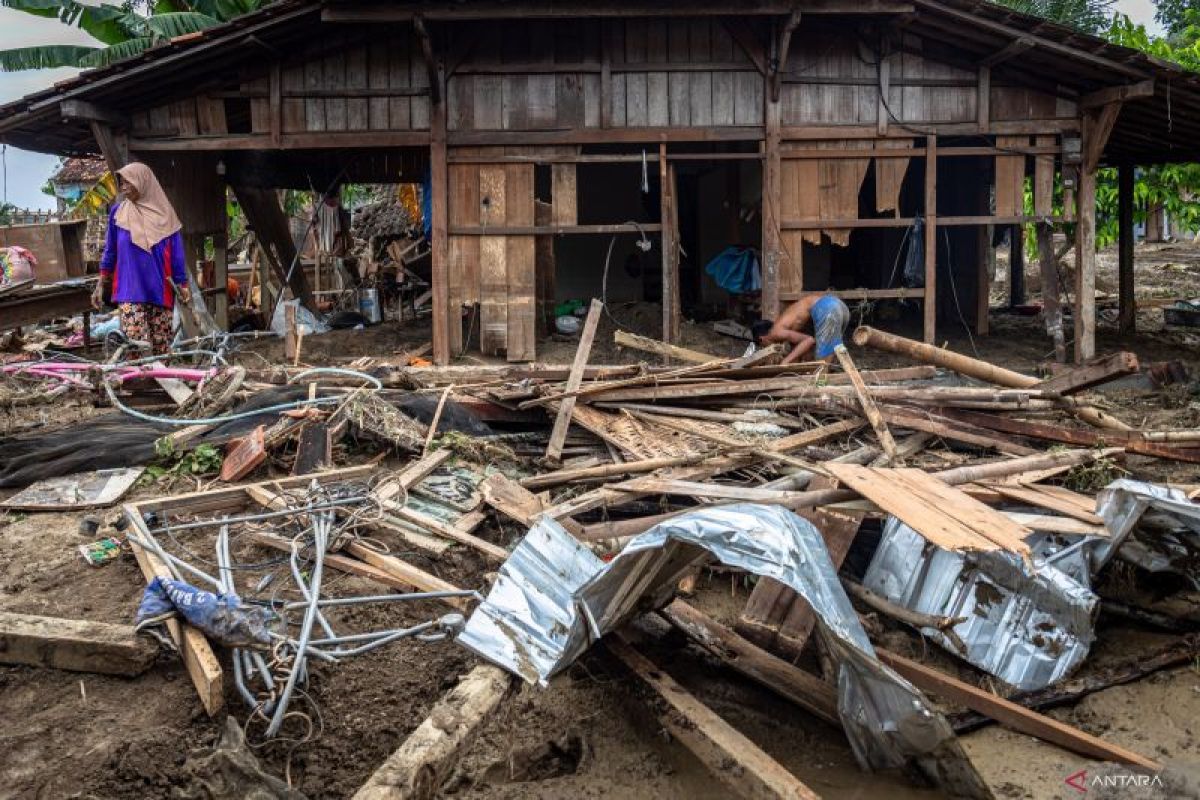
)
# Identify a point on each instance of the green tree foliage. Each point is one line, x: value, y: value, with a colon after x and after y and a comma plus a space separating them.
x: 1087, y: 15
x: 1172, y: 14
x: 122, y: 31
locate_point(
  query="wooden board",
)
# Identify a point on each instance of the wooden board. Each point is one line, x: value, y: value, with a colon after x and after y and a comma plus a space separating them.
x: 1053, y: 498
x: 1010, y: 178
x: 945, y: 516
x: 740, y: 765
x: 429, y: 753
x: 562, y: 420
x: 74, y: 644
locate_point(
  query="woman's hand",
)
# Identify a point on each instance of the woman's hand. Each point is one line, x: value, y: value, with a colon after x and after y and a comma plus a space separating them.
x: 185, y: 295
x: 98, y: 295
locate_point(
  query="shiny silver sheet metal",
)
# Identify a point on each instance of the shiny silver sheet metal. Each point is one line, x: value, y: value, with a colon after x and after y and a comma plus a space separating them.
x: 1174, y: 543
x: 1029, y: 629
x: 554, y: 598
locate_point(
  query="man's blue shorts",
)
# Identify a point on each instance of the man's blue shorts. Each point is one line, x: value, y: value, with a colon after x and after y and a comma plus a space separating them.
x: 830, y: 316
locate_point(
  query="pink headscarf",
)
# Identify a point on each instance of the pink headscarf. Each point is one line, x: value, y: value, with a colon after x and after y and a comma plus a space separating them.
x: 150, y: 218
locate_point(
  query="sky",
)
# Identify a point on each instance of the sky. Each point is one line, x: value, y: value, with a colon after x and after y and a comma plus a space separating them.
x: 24, y: 173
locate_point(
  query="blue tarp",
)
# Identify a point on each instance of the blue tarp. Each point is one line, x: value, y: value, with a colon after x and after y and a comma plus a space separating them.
x: 736, y: 270
x: 220, y: 616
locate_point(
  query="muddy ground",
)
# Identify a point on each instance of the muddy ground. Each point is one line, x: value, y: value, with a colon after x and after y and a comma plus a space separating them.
x: 591, y: 734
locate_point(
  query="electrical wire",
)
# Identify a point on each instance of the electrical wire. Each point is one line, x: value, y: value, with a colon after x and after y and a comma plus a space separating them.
x: 644, y: 245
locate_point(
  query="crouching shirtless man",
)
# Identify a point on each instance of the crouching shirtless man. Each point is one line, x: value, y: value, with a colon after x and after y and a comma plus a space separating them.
x: 816, y: 320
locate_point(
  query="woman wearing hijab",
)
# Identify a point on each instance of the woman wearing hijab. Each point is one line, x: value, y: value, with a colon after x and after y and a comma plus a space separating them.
x: 143, y: 254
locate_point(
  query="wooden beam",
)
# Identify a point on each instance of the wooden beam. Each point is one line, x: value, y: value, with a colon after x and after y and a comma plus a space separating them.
x: 1011, y: 715
x: 90, y: 112
x: 1011, y: 50
x: 748, y: 42
x: 403, y: 12
x: 802, y: 688
x: 443, y: 315
x: 1085, y: 257
x: 930, y: 310
x: 431, y: 63
x: 772, y: 187
x: 562, y: 422
x: 983, y: 97
x: 1116, y: 94
x: 737, y: 762
x: 1094, y: 373
x: 669, y: 208
x: 74, y: 644
x: 418, y: 768
x: 1097, y: 125
x: 975, y: 20
x: 198, y: 657
x: 1127, y: 296
x: 870, y: 410
x: 646, y: 344
x: 114, y: 148
x: 781, y: 52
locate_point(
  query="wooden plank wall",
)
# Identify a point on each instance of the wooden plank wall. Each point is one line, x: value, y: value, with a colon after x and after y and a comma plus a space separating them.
x: 499, y: 271
x: 635, y: 73
x: 353, y: 85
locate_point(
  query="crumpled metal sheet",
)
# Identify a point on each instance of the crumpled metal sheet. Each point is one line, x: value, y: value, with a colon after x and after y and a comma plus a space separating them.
x: 553, y: 598
x: 1028, y: 628
x: 1175, y: 543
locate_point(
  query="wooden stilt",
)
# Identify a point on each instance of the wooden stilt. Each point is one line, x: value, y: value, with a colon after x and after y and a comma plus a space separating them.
x: 930, y: 239
x: 1127, y: 316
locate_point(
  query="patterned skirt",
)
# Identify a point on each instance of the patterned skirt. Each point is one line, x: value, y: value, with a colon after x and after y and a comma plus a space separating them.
x: 146, y: 322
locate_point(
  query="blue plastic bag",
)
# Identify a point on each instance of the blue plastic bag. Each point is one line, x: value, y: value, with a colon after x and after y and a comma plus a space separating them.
x: 736, y: 270
x: 221, y: 617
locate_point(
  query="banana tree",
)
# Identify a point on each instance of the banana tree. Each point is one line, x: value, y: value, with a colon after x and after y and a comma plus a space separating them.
x: 121, y: 30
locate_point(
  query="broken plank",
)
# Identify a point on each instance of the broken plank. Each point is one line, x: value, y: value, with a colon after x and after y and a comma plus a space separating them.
x: 418, y: 768
x: 198, y: 658
x: 74, y: 644
x: 1045, y: 497
x: 492, y: 551
x: 539, y: 482
x: 648, y: 345
x: 563, y: 420
x: 737, y: 762
x: 411, y: 475
x: 1011, y: 715
x: 870, y: 410
x: 314, y: 450
x: 956, y: 523
x: 947, y: 429
x: 511, y: 498
x: 802, y: 688
x: 1094, y: 373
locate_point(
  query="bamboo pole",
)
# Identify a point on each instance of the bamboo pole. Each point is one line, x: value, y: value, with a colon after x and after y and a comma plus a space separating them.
x: 971, y: 367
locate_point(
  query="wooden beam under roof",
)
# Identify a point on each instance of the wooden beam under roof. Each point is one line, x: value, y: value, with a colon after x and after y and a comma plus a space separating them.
x: 1049, y: 45
x: 1009, y: 51
x: 405, y: 11
x: 1116, y: 94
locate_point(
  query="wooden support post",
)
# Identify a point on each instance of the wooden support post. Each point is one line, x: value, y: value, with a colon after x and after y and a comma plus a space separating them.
x: 115, y: 148
x: 1127, y: 316
x: 439, y: 205
x: 220, y: 294
x: 986, y: 267
x: 563, y: 421
x: 983, y: 98
x: 1016, y: 266
x: 1051, y: 299
x: 732, y: 758
x: 772, y: 249
x: 1085, y: 268
x: 670, y: 247
x: 930, y: 239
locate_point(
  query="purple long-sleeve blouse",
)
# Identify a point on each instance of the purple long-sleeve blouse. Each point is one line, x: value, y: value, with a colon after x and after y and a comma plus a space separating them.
x: 140, y: 276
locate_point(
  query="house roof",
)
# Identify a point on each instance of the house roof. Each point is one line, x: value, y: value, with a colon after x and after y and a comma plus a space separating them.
x: 81, y: 169
x: 1160, y: 121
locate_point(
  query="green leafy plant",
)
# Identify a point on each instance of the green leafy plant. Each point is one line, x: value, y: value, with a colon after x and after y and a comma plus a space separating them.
x: 122, y: 31
x: 205, y: 459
